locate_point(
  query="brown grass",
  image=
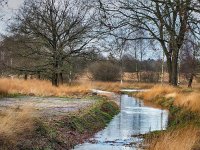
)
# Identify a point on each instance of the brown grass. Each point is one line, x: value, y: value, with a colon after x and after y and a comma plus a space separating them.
x: 45, y: 88
x: 157, y: 91
x: 181, y: 139
x: 116, y: 86
x: 39, y: 88
x: 189, y: 100
x: 14, y: 122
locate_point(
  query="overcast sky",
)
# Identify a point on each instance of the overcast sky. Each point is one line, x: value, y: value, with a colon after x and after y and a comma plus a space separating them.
x: 11, y: 9
x: 14, y: 4
x: 8, y: 12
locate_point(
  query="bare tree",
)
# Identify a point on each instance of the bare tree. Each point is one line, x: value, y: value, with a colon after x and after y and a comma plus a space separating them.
x: 119, y: 47
x: 164, y: 21
x: 60, y: 29
x: 21, y: 52
x: 189, y: 59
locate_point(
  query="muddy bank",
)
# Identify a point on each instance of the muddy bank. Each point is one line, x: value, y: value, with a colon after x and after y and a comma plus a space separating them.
x: 62, y: 132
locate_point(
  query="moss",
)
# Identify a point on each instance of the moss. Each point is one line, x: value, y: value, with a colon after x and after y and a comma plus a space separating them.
x: 14, y: 95
x: 153, y: 135
x: 180, y: 116
x: 90, y: 120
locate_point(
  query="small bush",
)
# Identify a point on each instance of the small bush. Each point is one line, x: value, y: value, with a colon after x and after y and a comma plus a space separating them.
x: 150, y: 77
x: 105, y: 71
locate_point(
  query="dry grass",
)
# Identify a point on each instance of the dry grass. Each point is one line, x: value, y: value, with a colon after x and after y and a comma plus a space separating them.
x: 116, y: 86
x: 45, y: 88
x: 181, y: 139
x: 39, y: 88
x: 189, y: 100
x: 157, y: 91
x: 14, y: 122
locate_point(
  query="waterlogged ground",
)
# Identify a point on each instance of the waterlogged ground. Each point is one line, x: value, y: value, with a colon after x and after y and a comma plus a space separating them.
x: 47, y: 106
x: 135, y: 118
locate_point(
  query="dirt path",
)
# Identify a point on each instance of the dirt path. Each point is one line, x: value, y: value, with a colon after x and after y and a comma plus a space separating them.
x: 52, y: 106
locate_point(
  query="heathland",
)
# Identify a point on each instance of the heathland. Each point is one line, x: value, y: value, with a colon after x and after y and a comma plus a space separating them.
x: 26, y: 125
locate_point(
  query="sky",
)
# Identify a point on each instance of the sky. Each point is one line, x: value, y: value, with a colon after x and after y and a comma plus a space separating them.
x: 7, y: 12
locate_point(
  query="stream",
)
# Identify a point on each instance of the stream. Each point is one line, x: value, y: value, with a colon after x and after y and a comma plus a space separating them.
x: 134, y: 119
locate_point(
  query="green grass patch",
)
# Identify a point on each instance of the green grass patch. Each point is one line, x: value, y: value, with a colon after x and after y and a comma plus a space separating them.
x: 14, y: 95
x: 91, y: 119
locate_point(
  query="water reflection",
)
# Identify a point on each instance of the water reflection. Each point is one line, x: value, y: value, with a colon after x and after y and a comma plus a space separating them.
x: 134, y: 119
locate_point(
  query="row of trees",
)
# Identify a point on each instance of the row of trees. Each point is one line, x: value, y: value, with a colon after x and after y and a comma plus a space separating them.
x: 166, y: 23
x: 51, y: 37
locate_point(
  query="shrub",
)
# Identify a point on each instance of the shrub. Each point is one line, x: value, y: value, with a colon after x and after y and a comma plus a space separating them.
x: 105, y: 71
x: 150, y: 77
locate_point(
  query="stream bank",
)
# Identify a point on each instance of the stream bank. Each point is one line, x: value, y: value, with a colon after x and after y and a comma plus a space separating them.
x: 183, y: 126
x: 62, y: 132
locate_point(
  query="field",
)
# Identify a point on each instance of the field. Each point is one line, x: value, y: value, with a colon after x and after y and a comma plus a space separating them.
x: 24, y: 101
x: 14, y: 87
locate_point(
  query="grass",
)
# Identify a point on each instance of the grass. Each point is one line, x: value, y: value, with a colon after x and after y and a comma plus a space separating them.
x: 158, y: 91
x: 179, y: 139
x: 169, y: 95
x: 184, y: 123
x: 39, y: 88
x: 182, y: 133
x: 61, y: 132
x: 13, y: 123
x: 117, y: 86
x: 189, y: 101
x: 35, y: 87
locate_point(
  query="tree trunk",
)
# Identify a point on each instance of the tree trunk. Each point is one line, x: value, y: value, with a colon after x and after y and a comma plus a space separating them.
x: 25, y: 76
x: 172, y: 66
x: 55, y: 75
x: 61, y: 78
x: 169, y: 68
x: 190, y: 80
x: 137, y: 72
x: 174, y: 77
x: 55, y: 80
x: 39, y: 76
x: 162, y: 72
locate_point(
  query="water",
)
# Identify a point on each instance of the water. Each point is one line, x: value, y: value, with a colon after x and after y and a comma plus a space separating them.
x: 135, y: 118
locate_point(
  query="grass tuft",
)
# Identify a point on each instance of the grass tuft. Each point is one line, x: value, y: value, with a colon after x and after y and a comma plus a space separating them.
x: 179, y: 139
x: 15, y: 122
